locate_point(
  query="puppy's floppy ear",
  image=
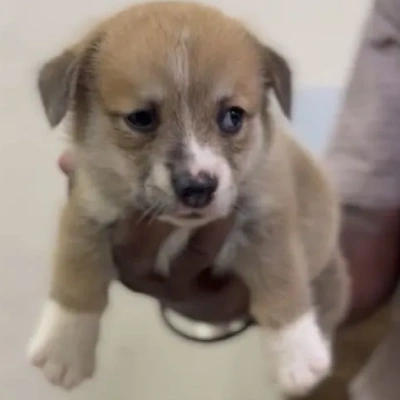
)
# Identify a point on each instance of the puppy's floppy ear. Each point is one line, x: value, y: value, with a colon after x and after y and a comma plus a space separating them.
x: 278, y: 77
x: 57, y: 84
x: 60, y: 77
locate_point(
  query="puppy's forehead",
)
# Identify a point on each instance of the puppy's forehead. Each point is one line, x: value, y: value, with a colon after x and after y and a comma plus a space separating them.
x: 158, y: 54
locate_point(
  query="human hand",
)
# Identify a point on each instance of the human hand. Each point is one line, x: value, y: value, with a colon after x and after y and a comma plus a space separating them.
x: 190, y: 289
x: 370, y: 240
x: 371, y: 244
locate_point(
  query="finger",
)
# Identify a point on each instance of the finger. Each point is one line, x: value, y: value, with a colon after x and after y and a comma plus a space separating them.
x: 149, y: 285
x: 215, y: 301
x: 155, y: 286
x: 144, y: 235
x: 136, y: 262
x: 136, y: 242
x: 201, y: 250
x: 66, y: 162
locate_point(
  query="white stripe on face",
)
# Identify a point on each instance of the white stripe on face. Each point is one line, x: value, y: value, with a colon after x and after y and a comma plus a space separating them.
x: 179, y: 62
x: 202, y: 158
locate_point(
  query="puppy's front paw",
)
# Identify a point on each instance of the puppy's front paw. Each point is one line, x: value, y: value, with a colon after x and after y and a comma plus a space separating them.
x: 303, y: 356
x: 64, y: 345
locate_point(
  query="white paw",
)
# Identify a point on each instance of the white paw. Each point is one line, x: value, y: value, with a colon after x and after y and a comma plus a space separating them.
x: 303, y: 356
x: 64, y: 345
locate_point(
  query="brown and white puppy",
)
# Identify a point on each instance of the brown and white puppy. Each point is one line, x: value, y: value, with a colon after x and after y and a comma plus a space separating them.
x: 171, y: 115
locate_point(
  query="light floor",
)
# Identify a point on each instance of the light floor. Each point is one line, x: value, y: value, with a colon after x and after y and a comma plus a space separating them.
x: 139, y: 358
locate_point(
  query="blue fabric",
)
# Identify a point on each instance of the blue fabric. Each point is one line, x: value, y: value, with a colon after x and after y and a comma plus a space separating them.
x: 314, y: 113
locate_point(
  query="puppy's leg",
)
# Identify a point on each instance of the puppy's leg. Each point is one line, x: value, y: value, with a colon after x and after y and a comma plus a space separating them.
x: 65, y: 342
x: 274, y: 268
x: 331, y: 289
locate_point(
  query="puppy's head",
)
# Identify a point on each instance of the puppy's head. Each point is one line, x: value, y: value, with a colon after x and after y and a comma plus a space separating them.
x: 169, y: 105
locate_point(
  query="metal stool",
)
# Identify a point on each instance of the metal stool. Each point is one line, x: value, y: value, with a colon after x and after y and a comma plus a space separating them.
x: 203, y: 332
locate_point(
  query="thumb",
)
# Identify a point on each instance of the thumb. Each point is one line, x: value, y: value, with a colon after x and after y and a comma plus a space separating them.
x: 66, y: 162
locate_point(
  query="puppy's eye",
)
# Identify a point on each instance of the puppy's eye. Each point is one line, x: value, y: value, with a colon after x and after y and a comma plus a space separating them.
x: 230, y: 120
x: 143, y: 120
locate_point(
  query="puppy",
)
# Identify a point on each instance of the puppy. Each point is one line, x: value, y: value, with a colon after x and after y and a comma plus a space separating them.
x: 171, y: 115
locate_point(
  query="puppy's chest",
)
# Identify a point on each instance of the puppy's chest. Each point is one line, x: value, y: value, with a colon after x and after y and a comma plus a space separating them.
x: 178, y: 240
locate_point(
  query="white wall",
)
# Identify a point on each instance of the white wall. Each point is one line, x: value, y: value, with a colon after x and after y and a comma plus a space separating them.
x: 317, y: 35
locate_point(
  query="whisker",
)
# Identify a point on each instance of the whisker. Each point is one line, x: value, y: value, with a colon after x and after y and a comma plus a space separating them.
x: 159, y: 190
x: 158, y: 210
x: 152, y: 211
x: 145, y: 214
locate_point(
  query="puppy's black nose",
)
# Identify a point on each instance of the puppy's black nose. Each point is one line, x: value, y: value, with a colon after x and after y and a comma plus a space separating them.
x: 195, y: 191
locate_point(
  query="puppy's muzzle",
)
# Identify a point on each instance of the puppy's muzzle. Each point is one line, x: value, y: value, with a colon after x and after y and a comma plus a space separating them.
x: 195, y: 191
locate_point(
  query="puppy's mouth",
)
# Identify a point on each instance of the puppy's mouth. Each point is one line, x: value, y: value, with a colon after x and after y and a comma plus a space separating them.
x: 183, y: 215
x: 190, y: 215
x: 188, y: 218
x: 177, y: 214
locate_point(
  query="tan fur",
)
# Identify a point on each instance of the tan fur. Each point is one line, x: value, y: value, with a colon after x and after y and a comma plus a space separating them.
x: 186, y: 58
